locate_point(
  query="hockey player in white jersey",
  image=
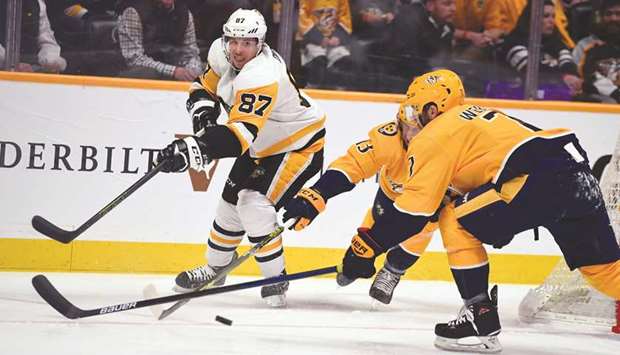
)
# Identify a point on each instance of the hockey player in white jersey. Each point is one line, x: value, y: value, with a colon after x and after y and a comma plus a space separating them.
x: 275, y: 132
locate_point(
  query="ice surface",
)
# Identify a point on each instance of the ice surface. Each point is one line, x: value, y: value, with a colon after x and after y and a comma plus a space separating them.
x: 321, y: 318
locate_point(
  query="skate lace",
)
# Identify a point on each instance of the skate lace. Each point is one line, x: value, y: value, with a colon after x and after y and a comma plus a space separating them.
x: 386, y: 281
x: 465, y: 315
x: 201, y: 273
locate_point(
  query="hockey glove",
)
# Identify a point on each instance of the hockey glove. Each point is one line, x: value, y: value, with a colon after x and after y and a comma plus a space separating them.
x: 448, y: 197
x: 304, y: 207
x: 181, y: 154
x: 359, y: 259
x: 204, y: 109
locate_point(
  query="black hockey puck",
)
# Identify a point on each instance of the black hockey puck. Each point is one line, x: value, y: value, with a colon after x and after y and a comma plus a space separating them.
x: 223, y: 320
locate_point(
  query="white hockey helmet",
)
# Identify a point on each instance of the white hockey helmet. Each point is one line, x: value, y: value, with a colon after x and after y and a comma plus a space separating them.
x: 244, y: 23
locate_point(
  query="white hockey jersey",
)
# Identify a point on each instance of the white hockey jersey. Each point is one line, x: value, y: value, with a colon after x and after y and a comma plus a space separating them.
x: 262, y: 94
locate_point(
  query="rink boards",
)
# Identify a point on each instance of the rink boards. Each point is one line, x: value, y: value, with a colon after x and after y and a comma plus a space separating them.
x: 69, y: 145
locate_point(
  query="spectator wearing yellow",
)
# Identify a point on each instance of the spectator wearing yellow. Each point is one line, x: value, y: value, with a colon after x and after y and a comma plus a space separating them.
x: 325, y: 30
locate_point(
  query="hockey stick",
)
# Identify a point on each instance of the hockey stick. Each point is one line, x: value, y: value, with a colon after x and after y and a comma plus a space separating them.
x: 51, y: 230
x: 55, y: 299
x: 223, y: 272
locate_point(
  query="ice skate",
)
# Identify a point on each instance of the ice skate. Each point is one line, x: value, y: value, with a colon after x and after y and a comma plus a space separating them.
x: 474, y: 330
x: 384, y: 284
x: 190, y: 280
x: 275, y: 295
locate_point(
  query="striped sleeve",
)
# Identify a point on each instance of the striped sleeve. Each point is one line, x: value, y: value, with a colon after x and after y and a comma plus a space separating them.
x: 517, y: 57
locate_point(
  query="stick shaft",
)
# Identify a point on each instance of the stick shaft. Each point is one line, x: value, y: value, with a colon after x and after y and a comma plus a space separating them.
x: 55, y: 299
x: 49, y: 229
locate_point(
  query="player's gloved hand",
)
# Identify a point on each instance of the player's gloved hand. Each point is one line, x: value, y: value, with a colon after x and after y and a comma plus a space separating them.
x: 204, y: 109
x: 359, y: 259
x: 181, y: 154
x: 448, y: 197
x: 303, y: 208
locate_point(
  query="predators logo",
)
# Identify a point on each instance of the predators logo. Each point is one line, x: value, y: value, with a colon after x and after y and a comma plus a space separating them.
x: 432, y: 79
x: 396, y: 187
x: 389, y: 129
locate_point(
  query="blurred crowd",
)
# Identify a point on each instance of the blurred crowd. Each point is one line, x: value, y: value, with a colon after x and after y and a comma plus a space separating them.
x: 363, y: 45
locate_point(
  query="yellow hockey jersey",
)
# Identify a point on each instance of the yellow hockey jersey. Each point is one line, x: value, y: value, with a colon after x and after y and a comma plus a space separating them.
x: 465, y: 147
x: 262, y: 94
x: 383, y: 152
x: 479, y: 15
x: 325, y: 14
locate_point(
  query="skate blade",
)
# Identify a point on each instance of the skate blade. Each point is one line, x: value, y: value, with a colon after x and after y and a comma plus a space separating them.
x: 275, y: 301
x: 484, y: 344
x: 179, y: 289
x: 377, y: 306
x: 380, y: 297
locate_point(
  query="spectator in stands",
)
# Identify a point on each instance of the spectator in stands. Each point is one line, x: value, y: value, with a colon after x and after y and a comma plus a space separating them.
x: 599, y: 26
x: 71, y: 15
x: 372, y: 20
x: 84, y: 29
x: 325, y: 30
x: 158, y: 40
x: 579, y: 16
x: 556, y: 66
x: 421, y: 37
x: 478, y: 25
x: 511, y: 10
x: 39, y: 50
x: 599, y: 56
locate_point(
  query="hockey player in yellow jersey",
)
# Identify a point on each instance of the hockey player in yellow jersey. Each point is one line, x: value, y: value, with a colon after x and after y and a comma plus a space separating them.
x: 275, y: 132
x: 513, y: 177
x: 384, y: 152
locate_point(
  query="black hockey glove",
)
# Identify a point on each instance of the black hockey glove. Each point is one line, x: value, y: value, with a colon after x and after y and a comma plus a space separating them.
x: 181, y: 154
x: 304, y: 207
x: 359, y: 259
x: 204, y: 110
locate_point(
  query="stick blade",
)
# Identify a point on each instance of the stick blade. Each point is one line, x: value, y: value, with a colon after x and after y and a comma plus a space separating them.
x: 150, y: 292
x: 168, y: 311
x: 49, y: 229
x: 50, y: 294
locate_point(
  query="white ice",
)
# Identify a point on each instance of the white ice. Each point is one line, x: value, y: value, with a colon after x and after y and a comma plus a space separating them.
x: 321, y: 318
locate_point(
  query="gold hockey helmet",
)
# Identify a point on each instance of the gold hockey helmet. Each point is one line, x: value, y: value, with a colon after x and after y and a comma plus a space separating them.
x: 440, y: 87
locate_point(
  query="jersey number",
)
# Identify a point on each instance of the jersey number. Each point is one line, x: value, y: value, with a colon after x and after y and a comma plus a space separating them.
x: 363, y: 146
x: 248, y: 101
